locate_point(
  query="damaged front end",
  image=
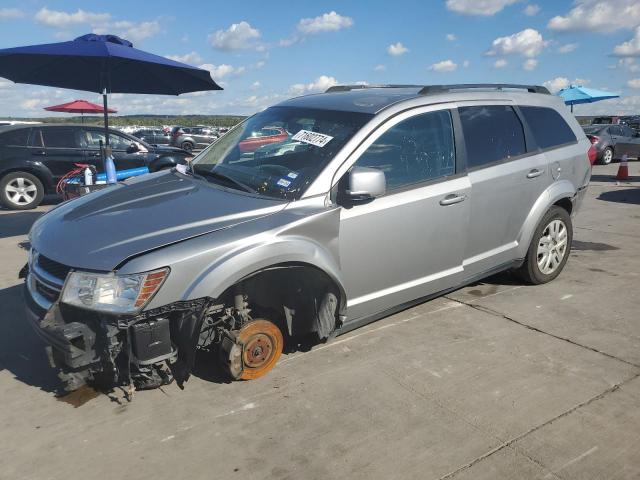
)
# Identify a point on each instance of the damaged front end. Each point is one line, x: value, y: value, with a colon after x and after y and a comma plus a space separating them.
x: 139, y: 351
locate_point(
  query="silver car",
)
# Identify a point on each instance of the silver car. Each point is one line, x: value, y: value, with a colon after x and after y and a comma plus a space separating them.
x: 375, y: 199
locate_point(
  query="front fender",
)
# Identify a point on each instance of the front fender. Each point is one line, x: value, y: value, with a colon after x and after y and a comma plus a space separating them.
x: 165, y: 162
x: 244, y: 261
x: 555, y: 192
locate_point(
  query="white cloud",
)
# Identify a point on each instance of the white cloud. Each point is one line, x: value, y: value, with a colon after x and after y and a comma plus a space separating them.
x: 530, y: 64
x: 444, y: 66
x: 598, y: 16
x: 634, y: 83
x: 328, y: 22
x: 531, y: 10
x: 135, y: 32
x: 190, y: 58
x: 630, y: 48
x: 5, y: 84
x: 101, y: 23
x: 451, y: 37
x: 320, y: 84
x: 379, y: 68
x: 567, y: 48
x: 223, y: 70
x: 627, y: 63
x: 478, y: 7
x: 500, y: 63
x: 466, y: 63
x: 238, y: 36
x: 528, y: 43
x: 559, y: 83
x: 7, y: 13
x: 60, y: 19
x: 255, y: 85
x: 397, y: 49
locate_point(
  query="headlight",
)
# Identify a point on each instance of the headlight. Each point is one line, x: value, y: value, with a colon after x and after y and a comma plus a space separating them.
x: 108, y: 292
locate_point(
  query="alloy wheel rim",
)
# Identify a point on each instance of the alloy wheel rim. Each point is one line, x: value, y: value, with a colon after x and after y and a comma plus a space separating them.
x: 608, y: 155
x: 21, y: 191
x: 552, y: 247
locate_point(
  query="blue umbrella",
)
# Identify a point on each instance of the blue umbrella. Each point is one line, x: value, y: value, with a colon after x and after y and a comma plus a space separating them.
x: 103, y: 64
x: 575, y: 94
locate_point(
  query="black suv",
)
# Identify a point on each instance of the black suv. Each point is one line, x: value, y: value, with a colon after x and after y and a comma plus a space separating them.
x: 33, y: 158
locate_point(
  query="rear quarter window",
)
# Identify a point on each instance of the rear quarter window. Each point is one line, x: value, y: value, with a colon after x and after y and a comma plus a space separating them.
x: 548, y: 127
x: 15, y: 138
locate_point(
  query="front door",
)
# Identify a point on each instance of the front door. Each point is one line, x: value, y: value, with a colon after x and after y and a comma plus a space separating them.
x: 409, y: 243
x: 119, y: 144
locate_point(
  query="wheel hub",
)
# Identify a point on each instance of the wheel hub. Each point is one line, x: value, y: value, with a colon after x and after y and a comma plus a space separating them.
x: 257, y: 350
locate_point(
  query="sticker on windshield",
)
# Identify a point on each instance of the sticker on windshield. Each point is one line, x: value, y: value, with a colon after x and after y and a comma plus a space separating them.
x: 312, y: 138
x: 283, y: 182
x: 292, y: 175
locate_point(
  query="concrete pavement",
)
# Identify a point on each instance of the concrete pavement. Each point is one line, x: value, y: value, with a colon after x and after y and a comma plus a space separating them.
x: 496, y: 380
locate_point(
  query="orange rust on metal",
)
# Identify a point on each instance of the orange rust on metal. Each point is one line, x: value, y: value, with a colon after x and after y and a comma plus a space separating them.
x: 262, y: 346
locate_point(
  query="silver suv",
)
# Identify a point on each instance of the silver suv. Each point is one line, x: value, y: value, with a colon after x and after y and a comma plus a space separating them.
x: 373, y: 200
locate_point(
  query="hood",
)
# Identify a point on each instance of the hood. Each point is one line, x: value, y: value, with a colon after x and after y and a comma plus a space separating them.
x: 101, y: 230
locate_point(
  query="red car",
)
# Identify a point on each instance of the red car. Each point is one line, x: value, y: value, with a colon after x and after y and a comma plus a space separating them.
x: 264, y: 137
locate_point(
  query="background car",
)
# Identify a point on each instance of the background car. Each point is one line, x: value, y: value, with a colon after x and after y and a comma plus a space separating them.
x: 265, y: 136
x: 153, y: 136
x: 190, y: 138
x: 613, y: 141
x: 33, y: 158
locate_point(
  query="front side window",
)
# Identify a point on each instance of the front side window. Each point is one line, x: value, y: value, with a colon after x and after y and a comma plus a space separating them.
x: 492, y: 133
x: 615, y: 130
x: 280, y: 165
x: 415, y: 150
x: 548, y: 127
x: 117, y: 142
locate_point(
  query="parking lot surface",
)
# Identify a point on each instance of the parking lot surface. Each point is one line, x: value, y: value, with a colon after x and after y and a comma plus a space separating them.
x: 494, y: 381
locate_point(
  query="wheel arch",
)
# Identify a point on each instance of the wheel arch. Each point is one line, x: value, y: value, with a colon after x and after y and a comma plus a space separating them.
x: 40, y: 172
x: 559, y: 193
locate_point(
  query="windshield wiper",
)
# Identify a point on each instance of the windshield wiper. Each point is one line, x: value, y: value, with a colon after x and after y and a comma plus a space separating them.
x: 222, y: 176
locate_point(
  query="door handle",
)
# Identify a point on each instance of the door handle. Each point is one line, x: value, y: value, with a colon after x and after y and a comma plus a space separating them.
x: 534, y: 173
x: 452, y: 199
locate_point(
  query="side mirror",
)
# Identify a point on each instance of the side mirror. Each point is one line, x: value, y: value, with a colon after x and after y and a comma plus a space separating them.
x: 365, y: 184
x: 133, y: 148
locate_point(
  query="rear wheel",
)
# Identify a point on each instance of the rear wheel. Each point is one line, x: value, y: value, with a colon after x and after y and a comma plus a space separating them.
x: 549, y: 249
x: 187, y: 146
x: 21, y: 191
x: 253, y: 350
x: 607, y: 156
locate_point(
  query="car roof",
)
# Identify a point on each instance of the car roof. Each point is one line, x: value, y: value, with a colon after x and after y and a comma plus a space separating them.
x: 374, y: 98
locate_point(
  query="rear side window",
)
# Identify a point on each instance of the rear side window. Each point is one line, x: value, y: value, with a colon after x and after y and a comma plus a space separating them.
x: 492, y: 133
x: 548, y: 127
x: 57, y: 138
x: 15, y: 138
x: 615, y: 131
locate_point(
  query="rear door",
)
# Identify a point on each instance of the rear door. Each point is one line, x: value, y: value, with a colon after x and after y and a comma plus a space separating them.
x: 507, y: 176
x: 620, y: 146
x: 58, y: 148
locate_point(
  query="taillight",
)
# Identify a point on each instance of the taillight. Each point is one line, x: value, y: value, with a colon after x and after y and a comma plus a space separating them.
x: 594, y: 139
x: 592, y: 154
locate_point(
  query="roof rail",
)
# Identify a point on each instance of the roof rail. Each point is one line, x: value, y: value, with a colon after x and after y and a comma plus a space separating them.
x: 434, y: 89
x: 348, y: 88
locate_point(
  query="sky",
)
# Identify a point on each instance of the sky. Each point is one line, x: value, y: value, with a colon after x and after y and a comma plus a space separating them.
x: 265, y: 52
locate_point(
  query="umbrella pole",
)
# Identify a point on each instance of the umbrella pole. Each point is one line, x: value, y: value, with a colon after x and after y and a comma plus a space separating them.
x: 572, y: 108
x: 106, y: 117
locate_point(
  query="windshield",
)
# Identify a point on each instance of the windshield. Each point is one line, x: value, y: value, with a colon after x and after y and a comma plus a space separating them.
x: 279, y: 151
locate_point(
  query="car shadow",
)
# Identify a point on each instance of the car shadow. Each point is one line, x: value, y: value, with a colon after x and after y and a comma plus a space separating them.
x: 21, y: 351
x: 630, y: 196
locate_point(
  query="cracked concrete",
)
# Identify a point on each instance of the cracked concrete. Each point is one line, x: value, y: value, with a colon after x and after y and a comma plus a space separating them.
x: 494, y: 381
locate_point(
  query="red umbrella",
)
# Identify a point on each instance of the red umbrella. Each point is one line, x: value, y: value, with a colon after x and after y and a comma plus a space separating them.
x: 79, y: 106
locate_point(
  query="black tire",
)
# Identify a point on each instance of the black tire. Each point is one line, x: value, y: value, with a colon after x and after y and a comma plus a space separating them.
x: 20, y: 201
x: 607, y: 156
x: 187, y: 146
x: 530, y: 271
